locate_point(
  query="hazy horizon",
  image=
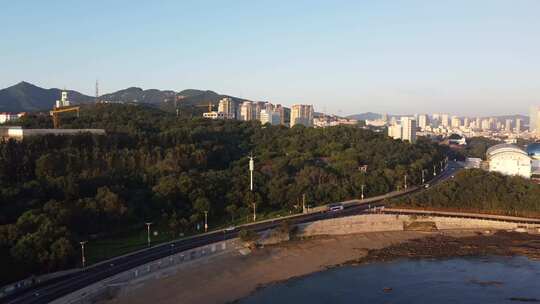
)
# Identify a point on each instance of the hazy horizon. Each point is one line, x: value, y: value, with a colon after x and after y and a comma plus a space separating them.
x: 343, y: 57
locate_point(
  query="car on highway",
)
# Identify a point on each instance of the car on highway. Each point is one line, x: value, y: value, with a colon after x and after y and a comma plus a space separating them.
x: 230, y: 228
x: 335, y: 207
x: 426, y: 186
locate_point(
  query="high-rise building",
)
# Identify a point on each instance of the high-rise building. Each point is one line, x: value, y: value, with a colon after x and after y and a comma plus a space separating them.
x: 508, y: 125
x: 444, y: 120
x: 456, y: 122
x: 423, y: 121
x: 247, y: 111
x: 395, y: 131
x: 384, y: 117
x: 408, y: 125
x: 486, y: 125
x: 271, y: 117
x: 517, y: 129
x: 302, y: 115
x: 533, y: 119
x: 227, y: 106
x: 284, y: 114
x: 478, y: 123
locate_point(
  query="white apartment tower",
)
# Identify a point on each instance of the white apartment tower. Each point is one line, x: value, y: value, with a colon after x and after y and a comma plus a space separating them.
x: 394, y: 131
x: 423, y: 121
x: 533, y: 119
x: 408, y: 125
x: 247, y: 111
x: 508, y: 125
x: 302, y: 115
x: 271, y: 117
x: 226, y: 105
x: 444, y: 120
x: 456, y: 122
x: 466, y: 122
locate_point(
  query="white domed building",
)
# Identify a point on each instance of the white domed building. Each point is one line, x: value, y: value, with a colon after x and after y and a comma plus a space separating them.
x: 509, y: 160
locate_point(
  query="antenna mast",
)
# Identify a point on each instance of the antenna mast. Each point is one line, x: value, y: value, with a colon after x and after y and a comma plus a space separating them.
x: 97, y: 91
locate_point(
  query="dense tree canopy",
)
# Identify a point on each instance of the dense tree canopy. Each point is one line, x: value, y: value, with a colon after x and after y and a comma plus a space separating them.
x: 153, y: 165
x: 480, y: 191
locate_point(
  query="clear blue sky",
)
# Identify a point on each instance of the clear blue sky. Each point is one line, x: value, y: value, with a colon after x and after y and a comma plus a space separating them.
x: 464, y: 57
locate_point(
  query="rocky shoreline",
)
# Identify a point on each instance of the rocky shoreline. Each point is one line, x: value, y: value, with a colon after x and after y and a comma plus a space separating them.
x: 500, y: 243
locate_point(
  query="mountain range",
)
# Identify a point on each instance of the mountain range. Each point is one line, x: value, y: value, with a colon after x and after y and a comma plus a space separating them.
x: 26, y: 97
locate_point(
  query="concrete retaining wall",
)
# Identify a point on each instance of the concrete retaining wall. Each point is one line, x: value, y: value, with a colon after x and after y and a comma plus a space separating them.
x: 125, y: 281
x: 390, y: 222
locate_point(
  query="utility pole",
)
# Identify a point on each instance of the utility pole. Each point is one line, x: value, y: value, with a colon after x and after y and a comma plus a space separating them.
x: 362, y: 187
x: 251, y: 168
x: 148, y: 233
x: 304, y: 210
x: 83, y: 257
x: 206, y: 221
x: 423, y: 179
x: 434, y: 171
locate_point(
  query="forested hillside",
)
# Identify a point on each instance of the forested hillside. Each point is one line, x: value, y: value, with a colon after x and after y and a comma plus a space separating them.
x: 154, y: 166
x: 477, y: 190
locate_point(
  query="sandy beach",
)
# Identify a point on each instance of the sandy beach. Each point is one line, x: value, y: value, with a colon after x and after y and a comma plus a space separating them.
x: 232, y: 276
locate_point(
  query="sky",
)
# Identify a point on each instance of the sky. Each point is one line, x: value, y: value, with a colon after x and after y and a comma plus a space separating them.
x: 464, y: 57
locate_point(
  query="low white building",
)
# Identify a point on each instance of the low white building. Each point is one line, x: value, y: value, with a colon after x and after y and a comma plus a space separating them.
x: 5, y: 117
x: 18, y: 133
x: 218, y: 115
x: 509, y: 160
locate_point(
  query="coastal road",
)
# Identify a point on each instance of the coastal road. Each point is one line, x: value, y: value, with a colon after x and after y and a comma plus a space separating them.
x: 54, y: 289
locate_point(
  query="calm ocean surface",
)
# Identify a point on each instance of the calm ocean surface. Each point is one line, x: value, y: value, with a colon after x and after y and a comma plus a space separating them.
x: 470, y: 280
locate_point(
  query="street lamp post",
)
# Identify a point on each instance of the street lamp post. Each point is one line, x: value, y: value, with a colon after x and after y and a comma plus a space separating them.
x: 251, y: 168
x: 148, y: 233
x: 423, y: 179
x: 83, y: 257
x: 434, y: 170
x: 405, y: 185
x: 362, y: 187
x: 206, y: 221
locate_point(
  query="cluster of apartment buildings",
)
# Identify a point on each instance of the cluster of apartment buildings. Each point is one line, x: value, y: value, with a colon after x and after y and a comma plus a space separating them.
x: 407, y: 127
x: 265, y: 112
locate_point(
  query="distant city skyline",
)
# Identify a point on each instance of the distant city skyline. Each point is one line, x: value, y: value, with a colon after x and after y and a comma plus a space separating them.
x: 401, y: 57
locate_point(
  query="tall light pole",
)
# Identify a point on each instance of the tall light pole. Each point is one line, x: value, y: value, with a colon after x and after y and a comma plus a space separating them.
x: 423, y: 179
x: 206, y: 221
x: 362, y: 187
x: 83, y: 257
x: 434, y: 171
x: 405, y: 185
x: 251, y: 168
x: 304, y: 210
x: 148, y: 233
